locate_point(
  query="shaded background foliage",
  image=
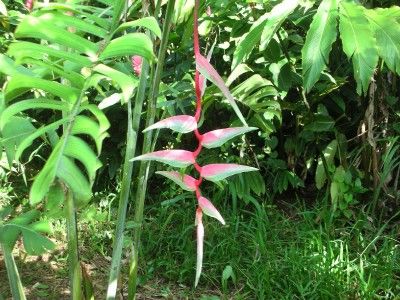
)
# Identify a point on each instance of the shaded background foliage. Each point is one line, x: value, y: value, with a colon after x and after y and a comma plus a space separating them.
x: 333, y: 145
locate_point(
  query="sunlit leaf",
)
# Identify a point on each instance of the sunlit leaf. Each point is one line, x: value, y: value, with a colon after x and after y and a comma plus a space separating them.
x: 200, y: 242
x: 180, y: 123
x: 175, y: 158
x: 216, y: 172
x: 217, y: 138
x: 359, y: 43
x: 208, y: 71
x: 209, y: 209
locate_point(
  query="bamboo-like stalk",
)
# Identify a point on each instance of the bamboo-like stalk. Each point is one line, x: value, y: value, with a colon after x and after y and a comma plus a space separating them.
x: 75, y: 276
x: 144, y: 166
x: 17, y: 290
x: 133, y: 127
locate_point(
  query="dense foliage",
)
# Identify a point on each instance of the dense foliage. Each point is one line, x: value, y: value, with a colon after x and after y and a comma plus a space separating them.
x: 88, y: 86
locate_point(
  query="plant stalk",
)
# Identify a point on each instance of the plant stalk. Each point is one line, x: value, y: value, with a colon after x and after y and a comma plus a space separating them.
x: 133, y: 127
x: 145, y: 166
x: 75, y: 275
x: 17, y: 290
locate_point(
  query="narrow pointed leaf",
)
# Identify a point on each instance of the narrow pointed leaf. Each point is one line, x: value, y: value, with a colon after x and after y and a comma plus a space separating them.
x: 186, y: 182
x: 200, y: 242
x: 147, y: 22
x: 319, y: 40
x: 217, y: 138
x: 129, y: 44
x: 32, y: 27
x: 23, y: 49
x: 23, y: 105
x: 208, y: 71
x: 266, y: 25
x: 216, y: 172
x: 209, y: 209
x: 174, y: 158
x: 181, y: 123
x: 359, y: 43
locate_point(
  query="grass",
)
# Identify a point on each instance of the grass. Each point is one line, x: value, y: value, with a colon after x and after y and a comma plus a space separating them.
x: 267, y: 250
x: 274, y: 255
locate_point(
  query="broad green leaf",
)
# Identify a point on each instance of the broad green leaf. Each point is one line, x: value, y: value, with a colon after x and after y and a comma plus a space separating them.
x: 320, y: 37
x: 387, y: 34
x: 329, y: 154
x: 217, y: 172
x: 129, y: 44
x: 209, y: 209
x: 180, y: 123
x: 358, y: 42
x: 186, y: 182
x: 320, y: 123
x: 69, y: 173
x: 208, y: 71
x: 13, y: 133
x: 21, y: 50
x: 217, y: 138
x: 265, y: 26
x: 19, y: 84
x: 23, y: 105
x: 32, y: 27
x: 237, y: 72
x: 126, y: 83
x: 146, y: 22
x: 174, y: 158
x: 80, y: 150
x: 35, y: 243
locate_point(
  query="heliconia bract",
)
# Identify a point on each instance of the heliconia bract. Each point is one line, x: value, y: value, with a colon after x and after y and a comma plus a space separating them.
x: 136, y: 61
x: 183, y: 158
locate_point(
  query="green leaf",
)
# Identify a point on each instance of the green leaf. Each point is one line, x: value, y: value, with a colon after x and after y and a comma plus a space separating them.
x: 13, y: 133
x: 320, y: 37
x: 35, y: 243
x: 329, y: 154
x: 19, y: 84
x: 359, y: 43
x: 9, y: 67
x: 129, y: 44
x: 41, y: 28
x: 265, y: 26
x: 23, y: 105
x: 27, y: 141
x: 21, y: 50
x: 147, y: 22
x: 80, y: 150
x: 46, y: 176
x: 85, y: 125
x: 63, y: 20
x: 126, y: 82
x: 3, y: 9
x: 387, y: 34
x: 68, y: 172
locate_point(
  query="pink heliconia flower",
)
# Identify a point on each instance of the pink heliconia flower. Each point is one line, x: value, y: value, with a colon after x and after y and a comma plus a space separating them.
x: 136, y: 61
x: 209, y: 209
x: 29, y: 4
x: 200, y: 241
